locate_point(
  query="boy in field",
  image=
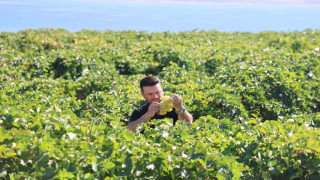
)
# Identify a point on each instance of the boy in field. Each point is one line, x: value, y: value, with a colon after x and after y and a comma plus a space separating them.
x: 152, y: 92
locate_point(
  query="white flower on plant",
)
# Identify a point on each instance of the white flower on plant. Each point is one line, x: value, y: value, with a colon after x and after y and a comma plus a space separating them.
x: 184, y: 155
x: 138, y: 173
x: 299, y: 161
x: 123, y: 148
x: 165, y: 134
x: 3, y: 173
x: 22, y: 162
x: 71, y: 135
x: 290, y: 120
x: 94, y: 167
x: 50, y: 162
x: 85, y: 71
x: 266, y: 49
x: 184, y: 173
x: 150, y: 166
x: 221, y: 169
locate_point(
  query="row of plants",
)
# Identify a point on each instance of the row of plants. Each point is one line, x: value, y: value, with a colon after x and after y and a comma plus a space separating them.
x: 66, y: 99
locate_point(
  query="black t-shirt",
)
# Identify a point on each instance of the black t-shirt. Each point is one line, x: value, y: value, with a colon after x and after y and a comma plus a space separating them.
x: 144, y: 109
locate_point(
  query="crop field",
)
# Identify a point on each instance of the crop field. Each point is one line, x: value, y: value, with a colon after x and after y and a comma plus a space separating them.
x: 66, y: 99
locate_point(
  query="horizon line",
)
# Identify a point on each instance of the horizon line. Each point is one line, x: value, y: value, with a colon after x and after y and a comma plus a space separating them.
x: 228, y: 2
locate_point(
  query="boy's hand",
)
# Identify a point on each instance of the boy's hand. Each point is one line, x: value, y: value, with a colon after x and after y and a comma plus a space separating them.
x: 153, y: 109
x: 177, y: 102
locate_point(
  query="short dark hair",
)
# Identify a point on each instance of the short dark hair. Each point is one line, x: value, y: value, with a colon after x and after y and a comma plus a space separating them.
x: 149, y: 81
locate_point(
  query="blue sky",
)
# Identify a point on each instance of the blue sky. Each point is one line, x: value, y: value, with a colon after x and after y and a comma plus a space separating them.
x: 223, y: 1
x: 160, y: 15
x: 246, y: 2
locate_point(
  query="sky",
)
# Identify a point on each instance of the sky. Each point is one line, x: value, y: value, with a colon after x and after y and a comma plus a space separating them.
x: 160, y: 15
x: 294, y: 2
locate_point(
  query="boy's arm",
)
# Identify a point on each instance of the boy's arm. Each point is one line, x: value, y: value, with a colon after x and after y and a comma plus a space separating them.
x: 152, y: 109
x: 185, y: 115
x: 143, y: 119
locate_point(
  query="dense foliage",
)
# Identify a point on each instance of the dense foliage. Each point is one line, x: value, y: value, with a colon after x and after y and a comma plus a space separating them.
x: 66, y: 99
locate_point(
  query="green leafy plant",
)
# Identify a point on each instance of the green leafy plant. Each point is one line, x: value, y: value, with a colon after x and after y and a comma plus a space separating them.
x: 66, y: 98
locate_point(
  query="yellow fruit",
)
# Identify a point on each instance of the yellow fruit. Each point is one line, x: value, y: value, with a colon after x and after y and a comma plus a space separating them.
x: 165, y: 105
